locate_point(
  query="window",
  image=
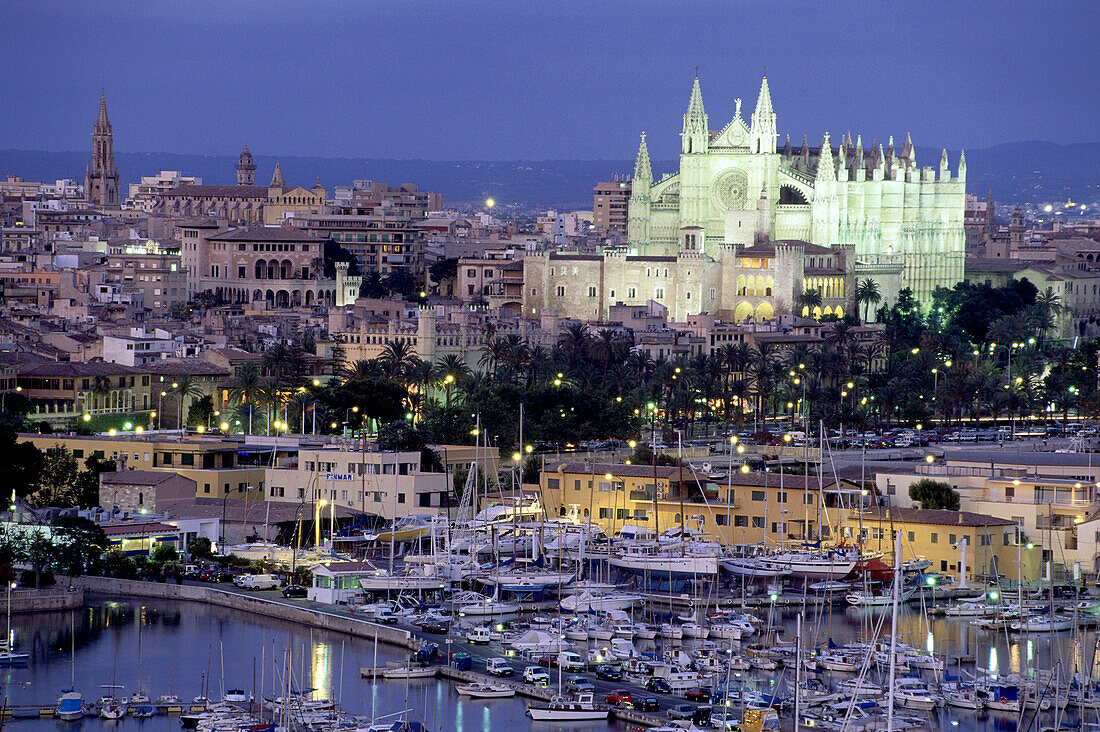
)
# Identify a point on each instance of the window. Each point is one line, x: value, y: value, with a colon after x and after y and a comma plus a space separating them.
x: 400, y: 497
x: 591, y: 291
x: 561, y: 291
x: 758, y: 522
x: 950, y: 538
x: 984, y: 540
x: 659, y: 293
x: 778, y: 527
x: 912, y: 536
x: 551, y: 484
x: 943, y: 566
x: 425, y: 500
x: 758, y: 496
x: 740, y: 520
x: 631, y: 292
x: 721, y: 519
x: 781, y: 497
x: 934, y: 538
x: 576, y: 485
x: 471, y: 273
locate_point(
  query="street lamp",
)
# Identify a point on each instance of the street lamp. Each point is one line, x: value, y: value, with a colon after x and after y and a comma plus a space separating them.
x: 317, y: 524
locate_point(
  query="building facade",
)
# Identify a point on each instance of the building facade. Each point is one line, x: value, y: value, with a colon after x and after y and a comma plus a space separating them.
x: 611, y: 204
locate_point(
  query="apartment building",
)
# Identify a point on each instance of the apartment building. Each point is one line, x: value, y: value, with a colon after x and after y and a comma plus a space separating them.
x: 359, y: 478
x: 611, y: 203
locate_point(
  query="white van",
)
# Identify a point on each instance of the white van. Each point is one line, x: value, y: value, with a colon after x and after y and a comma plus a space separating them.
x: 569, y: 661
x: 257, y: 581
x: 498, y: 667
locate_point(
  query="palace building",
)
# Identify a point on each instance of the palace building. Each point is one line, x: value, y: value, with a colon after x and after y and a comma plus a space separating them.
x: 745, y: 227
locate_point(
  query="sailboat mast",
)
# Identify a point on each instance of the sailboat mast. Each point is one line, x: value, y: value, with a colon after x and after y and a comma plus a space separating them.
x: 894, y: 632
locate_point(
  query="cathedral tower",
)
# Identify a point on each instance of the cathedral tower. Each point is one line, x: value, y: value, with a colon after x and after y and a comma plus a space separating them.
x: 101, y: 180
x: 763, y: 122
x: 246, y: 169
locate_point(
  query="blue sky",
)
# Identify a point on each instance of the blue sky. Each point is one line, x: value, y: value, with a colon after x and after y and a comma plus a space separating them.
x: 457, y: 80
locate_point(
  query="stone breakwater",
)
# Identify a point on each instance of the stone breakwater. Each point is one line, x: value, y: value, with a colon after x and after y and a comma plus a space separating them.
x: 335, y: 621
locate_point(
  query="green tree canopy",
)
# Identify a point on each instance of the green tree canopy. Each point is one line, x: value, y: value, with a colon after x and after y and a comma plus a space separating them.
x: 934, y: 494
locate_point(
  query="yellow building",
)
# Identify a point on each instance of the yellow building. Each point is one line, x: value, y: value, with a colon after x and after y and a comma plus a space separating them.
x: 214, y: 465
x: 938, y: 535
x: 747, y: 509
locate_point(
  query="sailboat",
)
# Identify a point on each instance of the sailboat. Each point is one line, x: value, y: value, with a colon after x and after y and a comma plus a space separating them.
x: 70, y: 705
x: 559, y: 709
x: 8, y: 657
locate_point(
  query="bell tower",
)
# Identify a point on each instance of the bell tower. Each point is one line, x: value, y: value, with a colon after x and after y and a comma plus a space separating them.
x: 101, y: 179
x: 246, y: 169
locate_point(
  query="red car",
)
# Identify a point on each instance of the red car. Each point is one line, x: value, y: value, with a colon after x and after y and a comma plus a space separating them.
x: 698, y: 694
x: 619, y: 697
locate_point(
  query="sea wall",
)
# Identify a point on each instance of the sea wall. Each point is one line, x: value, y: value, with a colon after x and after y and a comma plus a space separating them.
x: 246, y: 603
x: 44, y: 601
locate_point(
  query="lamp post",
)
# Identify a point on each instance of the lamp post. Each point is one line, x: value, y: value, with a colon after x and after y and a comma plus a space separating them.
x: 4, y: 399
x: 221, y: 526
x: 347, y: 418
x: 316, y: 383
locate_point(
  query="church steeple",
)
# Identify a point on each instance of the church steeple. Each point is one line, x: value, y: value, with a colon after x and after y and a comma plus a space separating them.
x: 101, y: 178
x: 246, y: 168
x: 695, y: 136
x: 277, y: 177
x: 763, y: 131
x: 643, y: 171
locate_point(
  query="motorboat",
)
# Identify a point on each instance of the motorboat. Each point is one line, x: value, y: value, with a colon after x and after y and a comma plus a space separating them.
x: 585, y: 601
x: 476, y: 604
x: 963, y: 696
x: 693, y: 630
x: 1044, y: 623
x: 582, y: 707
x: 666, y: 561
x: 540, y: 641
x: 70, y: 705
x: 379, y: 580
x: 969, y: 610
x: 885, y: 598
x: 915, y: 694
x: 670, y: 631
x: 645, y: 632
x: 408, y: 671
x: 405, y: 528
x: 479, y: 690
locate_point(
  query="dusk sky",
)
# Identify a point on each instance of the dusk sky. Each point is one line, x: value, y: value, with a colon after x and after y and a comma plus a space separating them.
x: 455, y: 80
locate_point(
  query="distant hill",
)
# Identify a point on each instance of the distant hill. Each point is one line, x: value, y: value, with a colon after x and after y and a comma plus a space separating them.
x: 1022, y: 171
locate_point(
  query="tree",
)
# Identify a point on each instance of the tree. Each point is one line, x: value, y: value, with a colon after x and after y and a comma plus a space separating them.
x: 401, y: 281
x: 80, y: 544
x: 201, y: 411
x: 39, y: 551
x: 200, y: 548
x: 444, y: 270
x: 372, y: 286
x: 86, y: 487
x: 810, y: 299
x: 867, y: 295
x: 246, y: 390
x: 185, y: 386
x: 934, y: 494
x: 21, y: 465
x: 334, y: 253
x: 56, y: 483
x: 163, y: 553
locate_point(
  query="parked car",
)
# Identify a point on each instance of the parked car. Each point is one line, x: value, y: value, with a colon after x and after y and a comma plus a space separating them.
x: 699, y: 694
x: 658, y: 685
x: 498, y: 667
x: 648, y: 704
x: 577, y: 684
x: 536, y: 676
x: 570, y: 661
x: 681, y: 711
x: 295, y: 591
x: 619, y: 697
x: 607, y: 672
x: 435, y: 627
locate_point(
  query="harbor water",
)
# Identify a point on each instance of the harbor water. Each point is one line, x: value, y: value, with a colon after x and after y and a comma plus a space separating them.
x: 190, y: 649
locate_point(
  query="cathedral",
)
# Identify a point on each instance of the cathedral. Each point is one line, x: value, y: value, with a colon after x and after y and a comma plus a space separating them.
x: 746, y: 227
x: 101, y: 179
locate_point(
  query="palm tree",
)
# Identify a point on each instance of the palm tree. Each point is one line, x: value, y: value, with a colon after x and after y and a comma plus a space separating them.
x: 810, y: 299
x: 1049, y: 306
x: 395, y: 360
x: 185, y: 386
x: 868, y: 293
x: 246, y: 390
x: 362, y: 369
x: 101, y: 387
x: 451, y: 370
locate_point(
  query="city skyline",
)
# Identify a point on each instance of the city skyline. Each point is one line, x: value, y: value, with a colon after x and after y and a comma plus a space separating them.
x: 577, y: 86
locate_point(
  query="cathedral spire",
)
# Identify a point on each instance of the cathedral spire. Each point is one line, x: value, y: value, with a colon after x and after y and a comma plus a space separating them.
x: 763, y: 129
x: 825, y: 161
x: 695, y: 134
x: 246, y: 168
x: 102, y: 124
x: 277, y: 177
x: 962, y: 170
x: 907, y: 151
x: 945, y: 171
x: 643, y: 171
